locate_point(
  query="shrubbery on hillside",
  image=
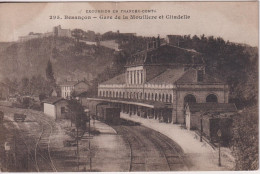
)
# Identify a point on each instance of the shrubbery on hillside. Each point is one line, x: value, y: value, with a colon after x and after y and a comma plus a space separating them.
x: 245, y: 139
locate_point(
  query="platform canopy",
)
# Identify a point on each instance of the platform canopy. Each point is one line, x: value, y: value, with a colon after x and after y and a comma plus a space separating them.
x: 144, y: 103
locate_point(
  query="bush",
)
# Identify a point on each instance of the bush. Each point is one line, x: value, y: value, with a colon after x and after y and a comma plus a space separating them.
x: 245, y: 139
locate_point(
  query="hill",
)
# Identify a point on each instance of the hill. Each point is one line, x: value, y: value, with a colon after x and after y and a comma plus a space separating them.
x: 69, y: 58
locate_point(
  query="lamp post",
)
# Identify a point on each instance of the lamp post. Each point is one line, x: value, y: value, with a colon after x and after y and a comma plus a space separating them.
x: 201, y: 127
x: 219, y: 138
x: 90, y: 160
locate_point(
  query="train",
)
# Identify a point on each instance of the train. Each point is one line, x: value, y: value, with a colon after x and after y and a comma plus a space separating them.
x: 104, y: 112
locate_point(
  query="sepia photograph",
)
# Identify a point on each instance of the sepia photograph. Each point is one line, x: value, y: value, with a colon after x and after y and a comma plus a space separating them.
x: 129, y: 86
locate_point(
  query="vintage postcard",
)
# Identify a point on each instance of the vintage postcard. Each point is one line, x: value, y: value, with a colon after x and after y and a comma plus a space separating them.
x: 129, y: 86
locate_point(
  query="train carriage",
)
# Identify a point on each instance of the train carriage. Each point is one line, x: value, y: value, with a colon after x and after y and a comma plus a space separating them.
x: 108, y: 114
x: 102, y: 111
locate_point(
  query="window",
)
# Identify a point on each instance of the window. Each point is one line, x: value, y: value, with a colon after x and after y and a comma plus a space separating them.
x: 200, y: 75
x: 137, y: 77
x: 211, y: 98
x: 170, y: 98
x: 163, y: 98
x: 189, y: 99
x: 141, y: 77
x: 155, y: 97
x: 167, y: 99
x: 131, y: 78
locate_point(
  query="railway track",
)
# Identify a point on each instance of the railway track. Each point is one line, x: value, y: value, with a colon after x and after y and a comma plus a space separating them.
x: 137, y: 151
x: 175, y: 158
x: 42, y: 154
x: 25, y: 158
x: 151, y: 151
x: 39, y: 154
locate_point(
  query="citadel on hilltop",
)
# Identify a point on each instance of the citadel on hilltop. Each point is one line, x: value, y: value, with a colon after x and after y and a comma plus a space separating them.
x: 56, y: 31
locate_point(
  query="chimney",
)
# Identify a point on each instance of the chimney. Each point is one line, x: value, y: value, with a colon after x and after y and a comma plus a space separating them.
x: 158, y: 41
x: 154, y: 42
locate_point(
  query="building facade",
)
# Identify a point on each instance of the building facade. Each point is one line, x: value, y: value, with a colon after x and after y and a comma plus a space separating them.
x: 55, y: 107
x: 160, y: 80
x: 57, y: 32
x: 73, y: 86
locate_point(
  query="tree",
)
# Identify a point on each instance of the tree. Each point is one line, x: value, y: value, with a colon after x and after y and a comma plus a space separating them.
x: 49, y: 72
x: 78, y: 34
x: 77, y: 114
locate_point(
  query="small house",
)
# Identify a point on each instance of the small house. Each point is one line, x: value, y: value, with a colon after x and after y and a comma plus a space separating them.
x: 55, y: 107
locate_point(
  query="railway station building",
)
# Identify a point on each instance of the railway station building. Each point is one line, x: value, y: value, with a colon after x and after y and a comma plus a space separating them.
x: 159, y: 81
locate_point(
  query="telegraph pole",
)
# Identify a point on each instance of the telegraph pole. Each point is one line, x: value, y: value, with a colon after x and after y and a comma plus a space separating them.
x: 219, y: 133
x: 77, y: 149
x: 89, y: 145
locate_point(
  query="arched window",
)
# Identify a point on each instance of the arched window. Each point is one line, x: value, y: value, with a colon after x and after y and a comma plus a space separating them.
x: 189, y: 99
x: 141, y: 95
x: 106, y: 93
x: 155, y: 97
x: 123, y: 94
x: 149, y: 96
x: 163, y: 98
x: 145, y: 95
x: 103, y: 93
x: 152, y: 97
x: 160, y: 97
x: 167, y: 98
x: 170, y: 99
x: 211, y: 98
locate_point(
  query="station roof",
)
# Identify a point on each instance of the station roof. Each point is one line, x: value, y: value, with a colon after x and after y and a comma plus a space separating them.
x: 144, y: 103
x: 167, y: 77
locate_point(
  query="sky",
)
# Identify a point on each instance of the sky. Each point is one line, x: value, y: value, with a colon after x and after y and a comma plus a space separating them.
x: 233, y: 21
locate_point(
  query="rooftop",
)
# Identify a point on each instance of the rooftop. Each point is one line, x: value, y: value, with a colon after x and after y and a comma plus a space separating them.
x: 190, y: 77
x: 167, y: 77
x: 52, y: 100
x: 165, y: 54
x: 71, y: 83
x: 120, y: 79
